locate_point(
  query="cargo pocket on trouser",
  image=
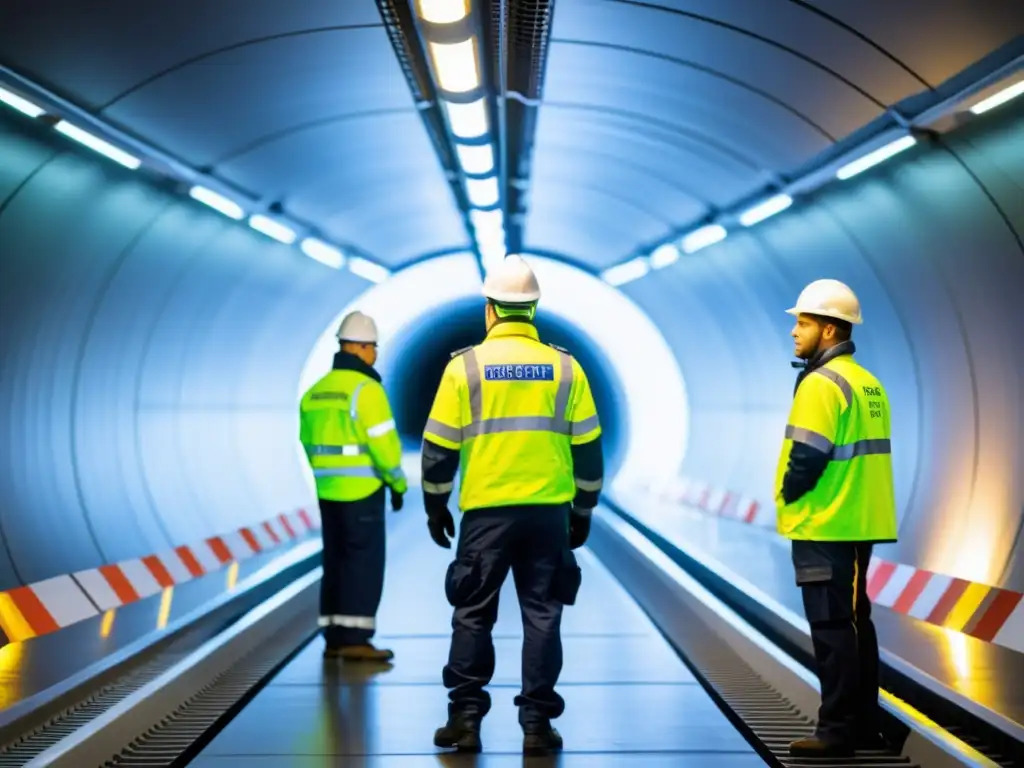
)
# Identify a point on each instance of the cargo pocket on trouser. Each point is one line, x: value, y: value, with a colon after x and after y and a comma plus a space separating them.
x: 465, y: 582
x: 826, y: 586
x: 566, y: 579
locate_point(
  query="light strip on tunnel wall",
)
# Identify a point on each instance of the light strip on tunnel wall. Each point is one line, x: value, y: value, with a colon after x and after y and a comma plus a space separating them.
x: 761, y: 211
x: 97, y: 144
x: 702, y: 238
x: 621, y: 274
x: 664, y: 256
x: 368, y: 270
x: 271, y: 228
x: 320, y: 251
x: 999, y: 98
x: 872, y: 159
x: 219, y: 203
x: 24, y: 106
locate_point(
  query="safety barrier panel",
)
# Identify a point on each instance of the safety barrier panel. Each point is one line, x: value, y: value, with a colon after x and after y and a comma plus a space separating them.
x: 52, y: 604
x: 982, y: 611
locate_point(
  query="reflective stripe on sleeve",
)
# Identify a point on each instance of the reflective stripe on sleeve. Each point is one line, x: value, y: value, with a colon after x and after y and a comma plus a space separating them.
x: 586, y: 425
x: 444, y: 431
x: 438, y: 488
x: 345, y: 472
x: 839, y: 381
x: 589, y: 485
x: 337, y: 450
x: 808, y: 437
x: 381, y: 429
x: 353, y: 622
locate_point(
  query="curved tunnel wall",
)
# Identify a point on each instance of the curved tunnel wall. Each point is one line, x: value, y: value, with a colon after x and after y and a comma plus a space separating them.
x: 931, y: 242
x: 150, y: 351
x: 148, y: 356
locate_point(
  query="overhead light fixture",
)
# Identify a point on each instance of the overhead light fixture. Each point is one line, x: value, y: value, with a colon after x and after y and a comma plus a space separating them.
x: 486, y: 221
x: 762, y: 211
x: 24, y: 106
x: 663, y: 256
x: 271, y: 228
x: 467, y: 121
x: 999, y: 98
x: 97, y: 144
x: 229, y: 208
x: 626, y: 272
x: 368, y: 270
x: 483, y: 193
x: 475, y: 158
x: 492, y: 254
x: 874, y: 158
x: 442, y: 11
x: 456, y: 65
x: 702, y: 238
x: 320, y: 251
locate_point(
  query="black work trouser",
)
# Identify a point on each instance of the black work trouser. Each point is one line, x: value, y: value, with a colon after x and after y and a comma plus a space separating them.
x: 833, y: 578
x: 353, y: 562
x: 532, y: 541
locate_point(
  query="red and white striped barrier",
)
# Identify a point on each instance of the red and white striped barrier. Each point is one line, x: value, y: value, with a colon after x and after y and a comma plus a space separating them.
x: 52, y: 604
x: 979, y: 610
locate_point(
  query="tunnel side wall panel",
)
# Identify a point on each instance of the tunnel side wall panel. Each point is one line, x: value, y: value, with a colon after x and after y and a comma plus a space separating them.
x: 931, y: 242
x: 151, y: 351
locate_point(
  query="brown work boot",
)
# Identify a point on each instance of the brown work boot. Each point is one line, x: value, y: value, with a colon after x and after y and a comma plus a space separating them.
x: 363, y: 652
x: 815, y: 746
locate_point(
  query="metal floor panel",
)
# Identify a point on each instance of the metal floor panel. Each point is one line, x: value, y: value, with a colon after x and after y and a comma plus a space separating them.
x: 629, y: 699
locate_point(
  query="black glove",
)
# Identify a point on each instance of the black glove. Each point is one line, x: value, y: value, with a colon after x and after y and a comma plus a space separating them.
x: 397, y: 501
x: 579, y: 527
x: 438, y: 523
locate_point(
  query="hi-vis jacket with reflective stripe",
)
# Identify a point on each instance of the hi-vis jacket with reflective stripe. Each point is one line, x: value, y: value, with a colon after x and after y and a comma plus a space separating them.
x: 834, y: 480
x: 514, y: 408
x: 349, y: 434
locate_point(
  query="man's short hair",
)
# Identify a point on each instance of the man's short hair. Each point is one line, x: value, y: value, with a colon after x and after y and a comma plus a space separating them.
x: 844, y: 329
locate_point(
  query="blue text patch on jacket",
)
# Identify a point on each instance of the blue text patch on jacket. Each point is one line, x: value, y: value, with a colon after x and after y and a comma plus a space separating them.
x: 519, y: 372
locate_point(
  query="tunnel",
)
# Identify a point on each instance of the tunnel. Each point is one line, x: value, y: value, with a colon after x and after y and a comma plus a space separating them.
x: 192, y: 198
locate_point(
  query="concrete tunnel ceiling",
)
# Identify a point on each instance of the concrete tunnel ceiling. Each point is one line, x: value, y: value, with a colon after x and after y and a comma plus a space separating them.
x: 131, y: 314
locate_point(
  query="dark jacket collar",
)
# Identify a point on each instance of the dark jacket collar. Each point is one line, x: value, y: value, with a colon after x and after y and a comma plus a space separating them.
x: 346, y: 361
x: 821, y: 358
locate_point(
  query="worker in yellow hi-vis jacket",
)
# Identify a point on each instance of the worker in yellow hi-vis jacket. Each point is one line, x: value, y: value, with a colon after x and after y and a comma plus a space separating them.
x: 350, y: 439
x: 835, y: 498
x: 520, y: 416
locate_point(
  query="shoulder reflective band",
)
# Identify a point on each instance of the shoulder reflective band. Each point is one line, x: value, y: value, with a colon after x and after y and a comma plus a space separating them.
x: 438, y: 488
x: 839, y: 381
x: 481, y: 426
x: 844, y: 452
x: 381, y: 429
x: 345, y: 472
x: 355, y: 399
x: 337, y: 450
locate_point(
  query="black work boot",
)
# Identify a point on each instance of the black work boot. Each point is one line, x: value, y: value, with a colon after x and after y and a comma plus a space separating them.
x: 539, y: 738
x: 462, y: 731
x: 816, y: 746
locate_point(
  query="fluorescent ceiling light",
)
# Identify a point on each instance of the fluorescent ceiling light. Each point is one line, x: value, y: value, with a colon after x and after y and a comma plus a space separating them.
x: 490, y: 237
x: 492, y: 254
x: 322, y: 252
x: 22, y: 105
x: 368, y: 270
x: 456, y: 65
x: 271, y: 228
x: 624, y: 273
x: 487, y: 221
x: 663, y: 256
x: 1002, y: 97
x: 702, y: 238
x: 874, y: 158
x: 98, y: 145
x: 467, y: 121
x: 442, y: 11
x: 762, y: 211
x: 219, y: 203
x: 475, y: 158
x: 483, y: 193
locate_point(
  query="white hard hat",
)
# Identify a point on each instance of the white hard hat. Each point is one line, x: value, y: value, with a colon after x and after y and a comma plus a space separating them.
x: 829, y: 298
x: 512, y: 282
x: 359, y: 328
